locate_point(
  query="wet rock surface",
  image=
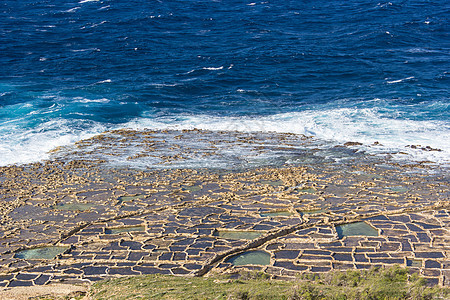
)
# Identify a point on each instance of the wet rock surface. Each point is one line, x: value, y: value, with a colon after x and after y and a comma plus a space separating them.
x: 115, y: 221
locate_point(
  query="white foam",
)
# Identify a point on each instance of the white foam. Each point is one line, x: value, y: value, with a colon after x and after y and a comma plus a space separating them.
x: 338, y: 126
x: 161, y: 85
x: 84, y: 1
x: 19, y: 146
x: 84, y: 50
x: 422, y: 50
x: 95, y: 25
x: 104, y: 81
x: 73, y: 9
x: 400, y: 80
x: 213, y: 68
x: 84, y: 100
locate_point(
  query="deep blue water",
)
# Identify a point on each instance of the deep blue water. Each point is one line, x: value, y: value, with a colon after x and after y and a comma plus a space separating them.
x: 338, y: 70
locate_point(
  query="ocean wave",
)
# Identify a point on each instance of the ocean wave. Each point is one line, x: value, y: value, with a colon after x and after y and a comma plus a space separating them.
x: 104, y: 81
x: 366, y: 126
x: 380, y: 130
x: 422, y: 50
x: 21, y: 145
x: 85, y: 100
x: 208, y: 69
x: 162, y: 85
x: 213, y: 68
x: 85, y: 1
x: 74, y: 9
x: 93, y: 25
x: 85, y: 50
x: 400, y: 80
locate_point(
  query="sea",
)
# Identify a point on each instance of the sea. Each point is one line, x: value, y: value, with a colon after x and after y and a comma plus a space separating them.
x: 373, y: 73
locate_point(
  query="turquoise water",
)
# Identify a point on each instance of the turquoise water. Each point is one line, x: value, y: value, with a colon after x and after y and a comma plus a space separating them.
x: 276, y: 214
x: 124, y: 229
x: 312, y: 211
x: 130, y: 198
x: 355, y: 229
x: 250, y: 258
x: 238, y: 234
x: 41, y: 253
x: 73, y: 206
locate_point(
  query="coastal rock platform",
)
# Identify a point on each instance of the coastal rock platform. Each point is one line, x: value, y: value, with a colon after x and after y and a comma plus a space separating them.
x: 74, y: 220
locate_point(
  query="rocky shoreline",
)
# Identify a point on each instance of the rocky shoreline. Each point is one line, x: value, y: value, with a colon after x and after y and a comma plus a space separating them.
x: 76, y: 221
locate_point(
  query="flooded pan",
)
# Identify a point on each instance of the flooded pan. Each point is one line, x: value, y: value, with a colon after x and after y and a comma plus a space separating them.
x: 130, y: 198
x: 124, y: 229
x: 284, y: 213
x: 250, y: 258
x: 41, y: 253
x: 238, y: 234
x: 73, y: 206
x: 356, y: 229
x: 272, y: 182
x: 312, y: 211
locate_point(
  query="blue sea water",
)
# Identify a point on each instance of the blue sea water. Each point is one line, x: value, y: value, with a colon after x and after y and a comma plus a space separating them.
x: 361, y: 71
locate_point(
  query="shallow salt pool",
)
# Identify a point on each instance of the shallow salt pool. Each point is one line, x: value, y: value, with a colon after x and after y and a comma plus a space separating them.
x: 41, y: 253
x: 250, y: 258
x: 356, y: 229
